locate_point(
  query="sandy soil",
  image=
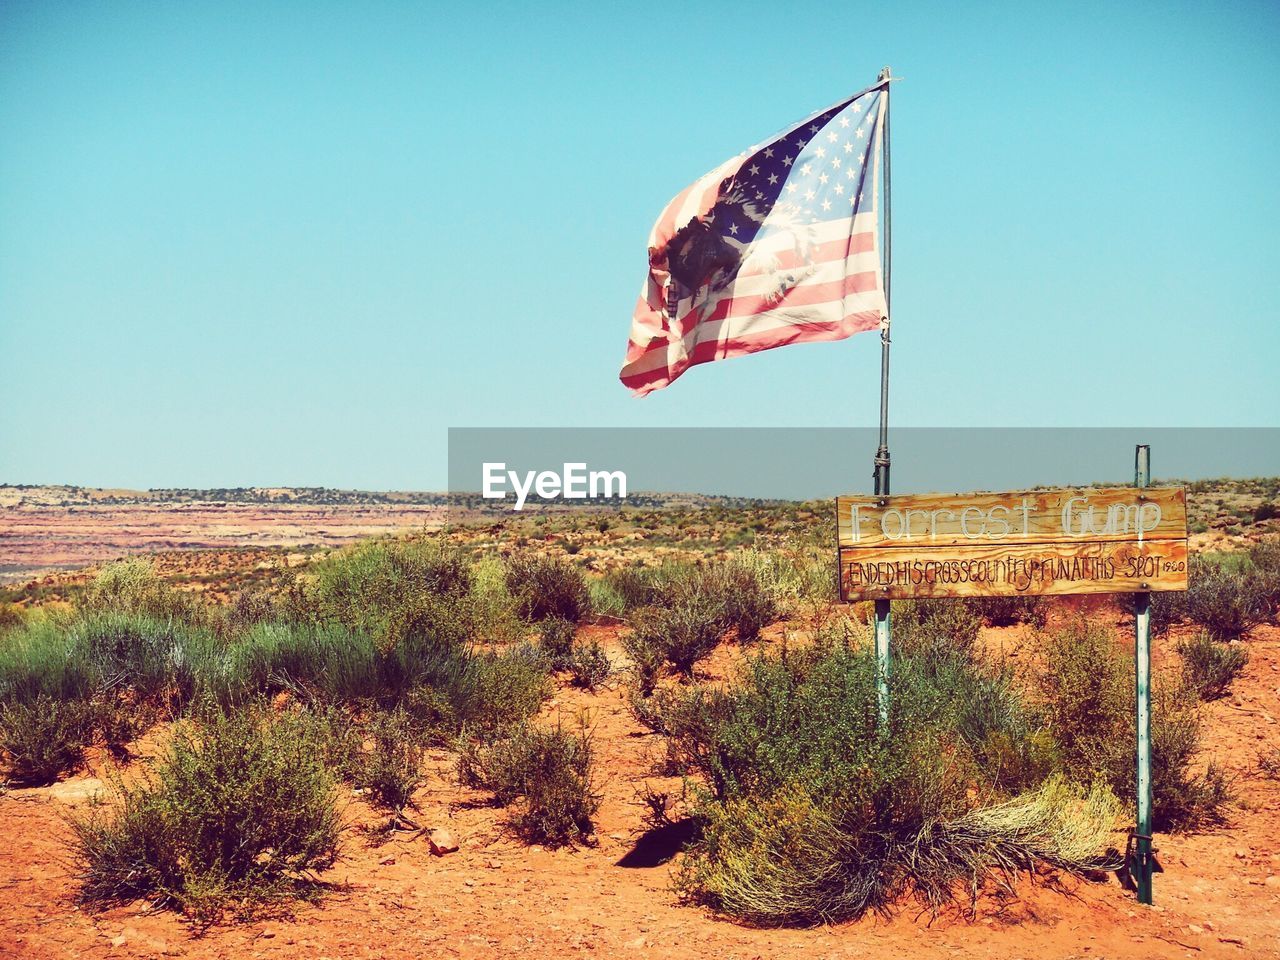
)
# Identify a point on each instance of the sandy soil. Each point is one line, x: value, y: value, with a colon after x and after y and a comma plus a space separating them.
x: 1218, y: 897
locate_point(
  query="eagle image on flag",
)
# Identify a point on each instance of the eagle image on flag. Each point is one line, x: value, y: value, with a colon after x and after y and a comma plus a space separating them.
x: 778, y: 245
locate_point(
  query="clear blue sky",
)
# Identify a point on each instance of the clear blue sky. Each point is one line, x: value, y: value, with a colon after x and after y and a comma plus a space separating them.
x: 292, y: 243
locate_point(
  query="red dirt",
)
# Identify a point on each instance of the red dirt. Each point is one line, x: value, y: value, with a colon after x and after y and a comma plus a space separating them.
x: 497, y: 898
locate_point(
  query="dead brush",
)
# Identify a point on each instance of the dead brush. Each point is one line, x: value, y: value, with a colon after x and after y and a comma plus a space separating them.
x: 1054, y: 824
x: 790, y: 861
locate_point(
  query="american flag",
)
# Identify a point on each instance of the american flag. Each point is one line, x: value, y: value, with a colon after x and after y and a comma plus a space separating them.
x: 778, y: 245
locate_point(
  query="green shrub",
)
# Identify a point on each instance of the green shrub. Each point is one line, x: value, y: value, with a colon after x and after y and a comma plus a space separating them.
x: 1088, y: 702
x: 813, y: 813
x: 11, y: 617
x: 1264, y: 559
x: 1167, y: 609
x: 635, y: 587
x: 927, y: 628
x: 235, y: 816
x: 589, y: 665
x: 1008, y: 611
x: 605, y: 600
x: 325, y: 661
x: 120, y: 720
x: 158, y: 661
x: 1228, y: 597
x: 1210, y: 665
x: 811, y: 718
x: 430, y: 671
x: 548, y: 587
x: 363, y: 586
x: 251, y: 607
x: 545, y: 775
x: 1264, y: 556
x: 340, y: 738
x: 392, y: 770
x: 494, y: 612
x: 683, y: 634
x: 1181, y: 797
x: 699, y: 606
x: 646, y: 654
x: 42, y: 660
x: 741, y: 586
x: 502, y: 688
x: 1087, y: 689
x: 42, y: 739
x: 133, y: 587
x: 555, y: 640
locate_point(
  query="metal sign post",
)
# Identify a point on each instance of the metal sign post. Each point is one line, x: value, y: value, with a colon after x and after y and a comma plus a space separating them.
x: 882, y: 452
x: 1141, y: 868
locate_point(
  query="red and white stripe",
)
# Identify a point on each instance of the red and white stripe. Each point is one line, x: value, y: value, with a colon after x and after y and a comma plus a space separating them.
x: 841, y: 292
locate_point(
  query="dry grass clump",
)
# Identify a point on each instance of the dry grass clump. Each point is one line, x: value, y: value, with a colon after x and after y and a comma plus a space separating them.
x: 789, y: 861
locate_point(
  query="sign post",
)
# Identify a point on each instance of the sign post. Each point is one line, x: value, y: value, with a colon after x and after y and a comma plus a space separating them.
x: 1142, y: 868
x: 882, y: 462
x: 1047, y: 542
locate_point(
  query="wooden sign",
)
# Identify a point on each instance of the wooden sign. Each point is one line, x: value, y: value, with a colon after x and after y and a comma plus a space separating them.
x: 1036, y: 542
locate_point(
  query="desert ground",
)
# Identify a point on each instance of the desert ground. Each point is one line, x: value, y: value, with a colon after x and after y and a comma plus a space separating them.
x: 611, y: 895
x: 1219, y: 895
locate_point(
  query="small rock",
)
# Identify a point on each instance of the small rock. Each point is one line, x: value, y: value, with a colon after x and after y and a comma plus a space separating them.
x: 267, y: 934
x: 441, y: 842
x: 1195, y: 928
x: 493, y: 864
x: 1272, y: 881
x: 1241, y: 853
x: 387, y: 861
x: 117, y: 941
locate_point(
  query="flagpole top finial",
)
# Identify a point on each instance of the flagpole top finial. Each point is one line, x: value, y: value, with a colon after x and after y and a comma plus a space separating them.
x: 885, y: 74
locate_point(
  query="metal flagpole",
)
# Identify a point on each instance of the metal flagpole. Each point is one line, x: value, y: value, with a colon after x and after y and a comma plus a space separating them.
x: 1141, y: 866
x: 882, y: 628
